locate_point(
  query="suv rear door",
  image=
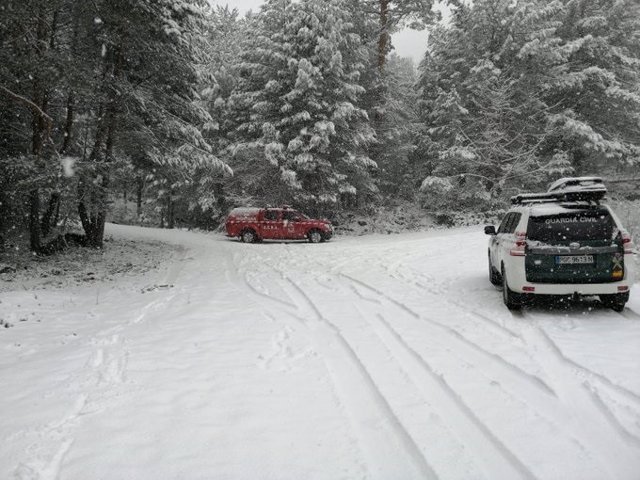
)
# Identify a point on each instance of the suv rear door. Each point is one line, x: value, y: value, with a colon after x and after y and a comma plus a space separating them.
x: 574, y: 244
x: 505, y: 235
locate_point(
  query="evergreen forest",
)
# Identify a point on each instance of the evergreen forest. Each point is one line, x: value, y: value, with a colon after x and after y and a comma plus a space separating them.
x: 171, y: 112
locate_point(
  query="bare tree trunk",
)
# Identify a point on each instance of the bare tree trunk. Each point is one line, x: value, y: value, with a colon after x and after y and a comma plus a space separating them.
x: 383, y: 39
x: 170, y: 210
x: 93, y: 220
x: 68, y: 124
x: 35, y: 236
x: 39, y: 127
x: 50, y: 217
x: 139, y: 190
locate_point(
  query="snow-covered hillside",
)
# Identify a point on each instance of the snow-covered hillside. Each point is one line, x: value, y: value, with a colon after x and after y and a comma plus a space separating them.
x: 379, y: 357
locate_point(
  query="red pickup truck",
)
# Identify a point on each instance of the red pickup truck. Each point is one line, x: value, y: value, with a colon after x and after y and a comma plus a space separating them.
x: 255, y: 224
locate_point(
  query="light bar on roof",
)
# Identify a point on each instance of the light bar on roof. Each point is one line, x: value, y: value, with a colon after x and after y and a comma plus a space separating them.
x: 534, y: 198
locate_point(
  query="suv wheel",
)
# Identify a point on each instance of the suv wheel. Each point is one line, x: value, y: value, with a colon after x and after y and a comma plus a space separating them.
x: 315, y: 236
x: 512, y: 300
x: 615, y: 302
x: 248, y: 236
x: 494, y: 276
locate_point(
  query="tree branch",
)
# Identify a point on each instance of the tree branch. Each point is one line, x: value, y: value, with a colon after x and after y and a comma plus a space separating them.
x: 29, y: 103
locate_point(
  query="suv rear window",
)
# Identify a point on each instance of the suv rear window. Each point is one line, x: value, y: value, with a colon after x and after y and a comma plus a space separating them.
x: 581, y: 225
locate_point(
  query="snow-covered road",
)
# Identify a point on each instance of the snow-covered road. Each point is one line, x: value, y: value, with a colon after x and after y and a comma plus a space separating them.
x: 380, y: 357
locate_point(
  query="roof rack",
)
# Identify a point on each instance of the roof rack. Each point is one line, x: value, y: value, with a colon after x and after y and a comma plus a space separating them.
x: 572, y: 189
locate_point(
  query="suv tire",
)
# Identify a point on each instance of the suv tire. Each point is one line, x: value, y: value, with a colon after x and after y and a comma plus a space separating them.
x: 248, y: 236
x: 512, y: 300
x: 494, y: 276
x: 616, y: 301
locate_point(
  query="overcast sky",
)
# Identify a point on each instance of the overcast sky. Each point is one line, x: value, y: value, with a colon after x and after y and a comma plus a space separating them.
x: 408, y: 43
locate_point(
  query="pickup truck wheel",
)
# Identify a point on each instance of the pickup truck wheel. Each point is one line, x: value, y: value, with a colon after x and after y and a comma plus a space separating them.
x: 512, y: 300
x: 315, y: 236
x: 248, y: 236
x: 615, y: 302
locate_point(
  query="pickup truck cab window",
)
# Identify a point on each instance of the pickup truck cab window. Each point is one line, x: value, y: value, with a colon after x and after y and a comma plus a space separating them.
x: 271, y: 215
x: 291, y: 216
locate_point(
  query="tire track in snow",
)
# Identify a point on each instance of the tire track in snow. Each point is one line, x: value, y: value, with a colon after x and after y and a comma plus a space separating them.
x: 372, y: 420
x: 496, y: 459
x: 501, y: 330
x: 258, y: 292
x: 553, y: 410
x: 558, y: 410
x: 371, y: 415
x: 601, y: 381
x: 523, y: 380
x: 580, y: 374
x: 616, y: 452
x: 580, y: 371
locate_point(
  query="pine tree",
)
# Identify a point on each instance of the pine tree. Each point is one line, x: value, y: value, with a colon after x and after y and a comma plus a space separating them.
x: 508, y: 97
x: 100, y: 84
x: 597, y: 86
x: 297, y: 103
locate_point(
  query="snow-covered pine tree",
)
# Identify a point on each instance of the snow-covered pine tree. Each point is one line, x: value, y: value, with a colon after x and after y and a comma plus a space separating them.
x: 390, y: 97
x: 211, y: 192
x: 595, y: 90
x: 389, y: 16
x: 301, y: 133
x: 482, y: 112
x: 148, y: 102
x: 397, y: 126
x: 509, y: 94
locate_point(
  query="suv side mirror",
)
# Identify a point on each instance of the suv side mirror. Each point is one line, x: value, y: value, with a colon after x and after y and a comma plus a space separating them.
x: 490, y: 230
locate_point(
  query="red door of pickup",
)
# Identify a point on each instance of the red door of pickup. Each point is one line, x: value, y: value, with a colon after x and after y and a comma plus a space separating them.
x: 292, y: 225
x: 272, y: 225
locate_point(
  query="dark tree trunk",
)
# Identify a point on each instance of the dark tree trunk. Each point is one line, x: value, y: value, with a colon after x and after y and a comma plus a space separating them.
x: 383, y: 39
x: 41, y: 124
x: 93, y: 219
x: 50, y: 216
x: 139, y: 190
x: 39, y: 128
x: 170, y: 210
x: 35, y: 236
x: 68, y: 124
x: 93, y: 229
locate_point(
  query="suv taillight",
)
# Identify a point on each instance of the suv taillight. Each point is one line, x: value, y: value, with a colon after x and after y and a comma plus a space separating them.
x: 517, y: 250
x: 627, y: 243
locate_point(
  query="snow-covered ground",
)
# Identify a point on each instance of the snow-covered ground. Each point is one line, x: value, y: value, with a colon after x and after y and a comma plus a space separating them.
x: 381, y: 357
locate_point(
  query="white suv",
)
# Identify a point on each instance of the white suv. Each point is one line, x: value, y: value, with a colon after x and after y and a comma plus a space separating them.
x: 563, y: 242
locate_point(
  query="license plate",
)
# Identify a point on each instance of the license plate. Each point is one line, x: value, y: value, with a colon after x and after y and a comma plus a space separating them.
x: 574, y: 259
